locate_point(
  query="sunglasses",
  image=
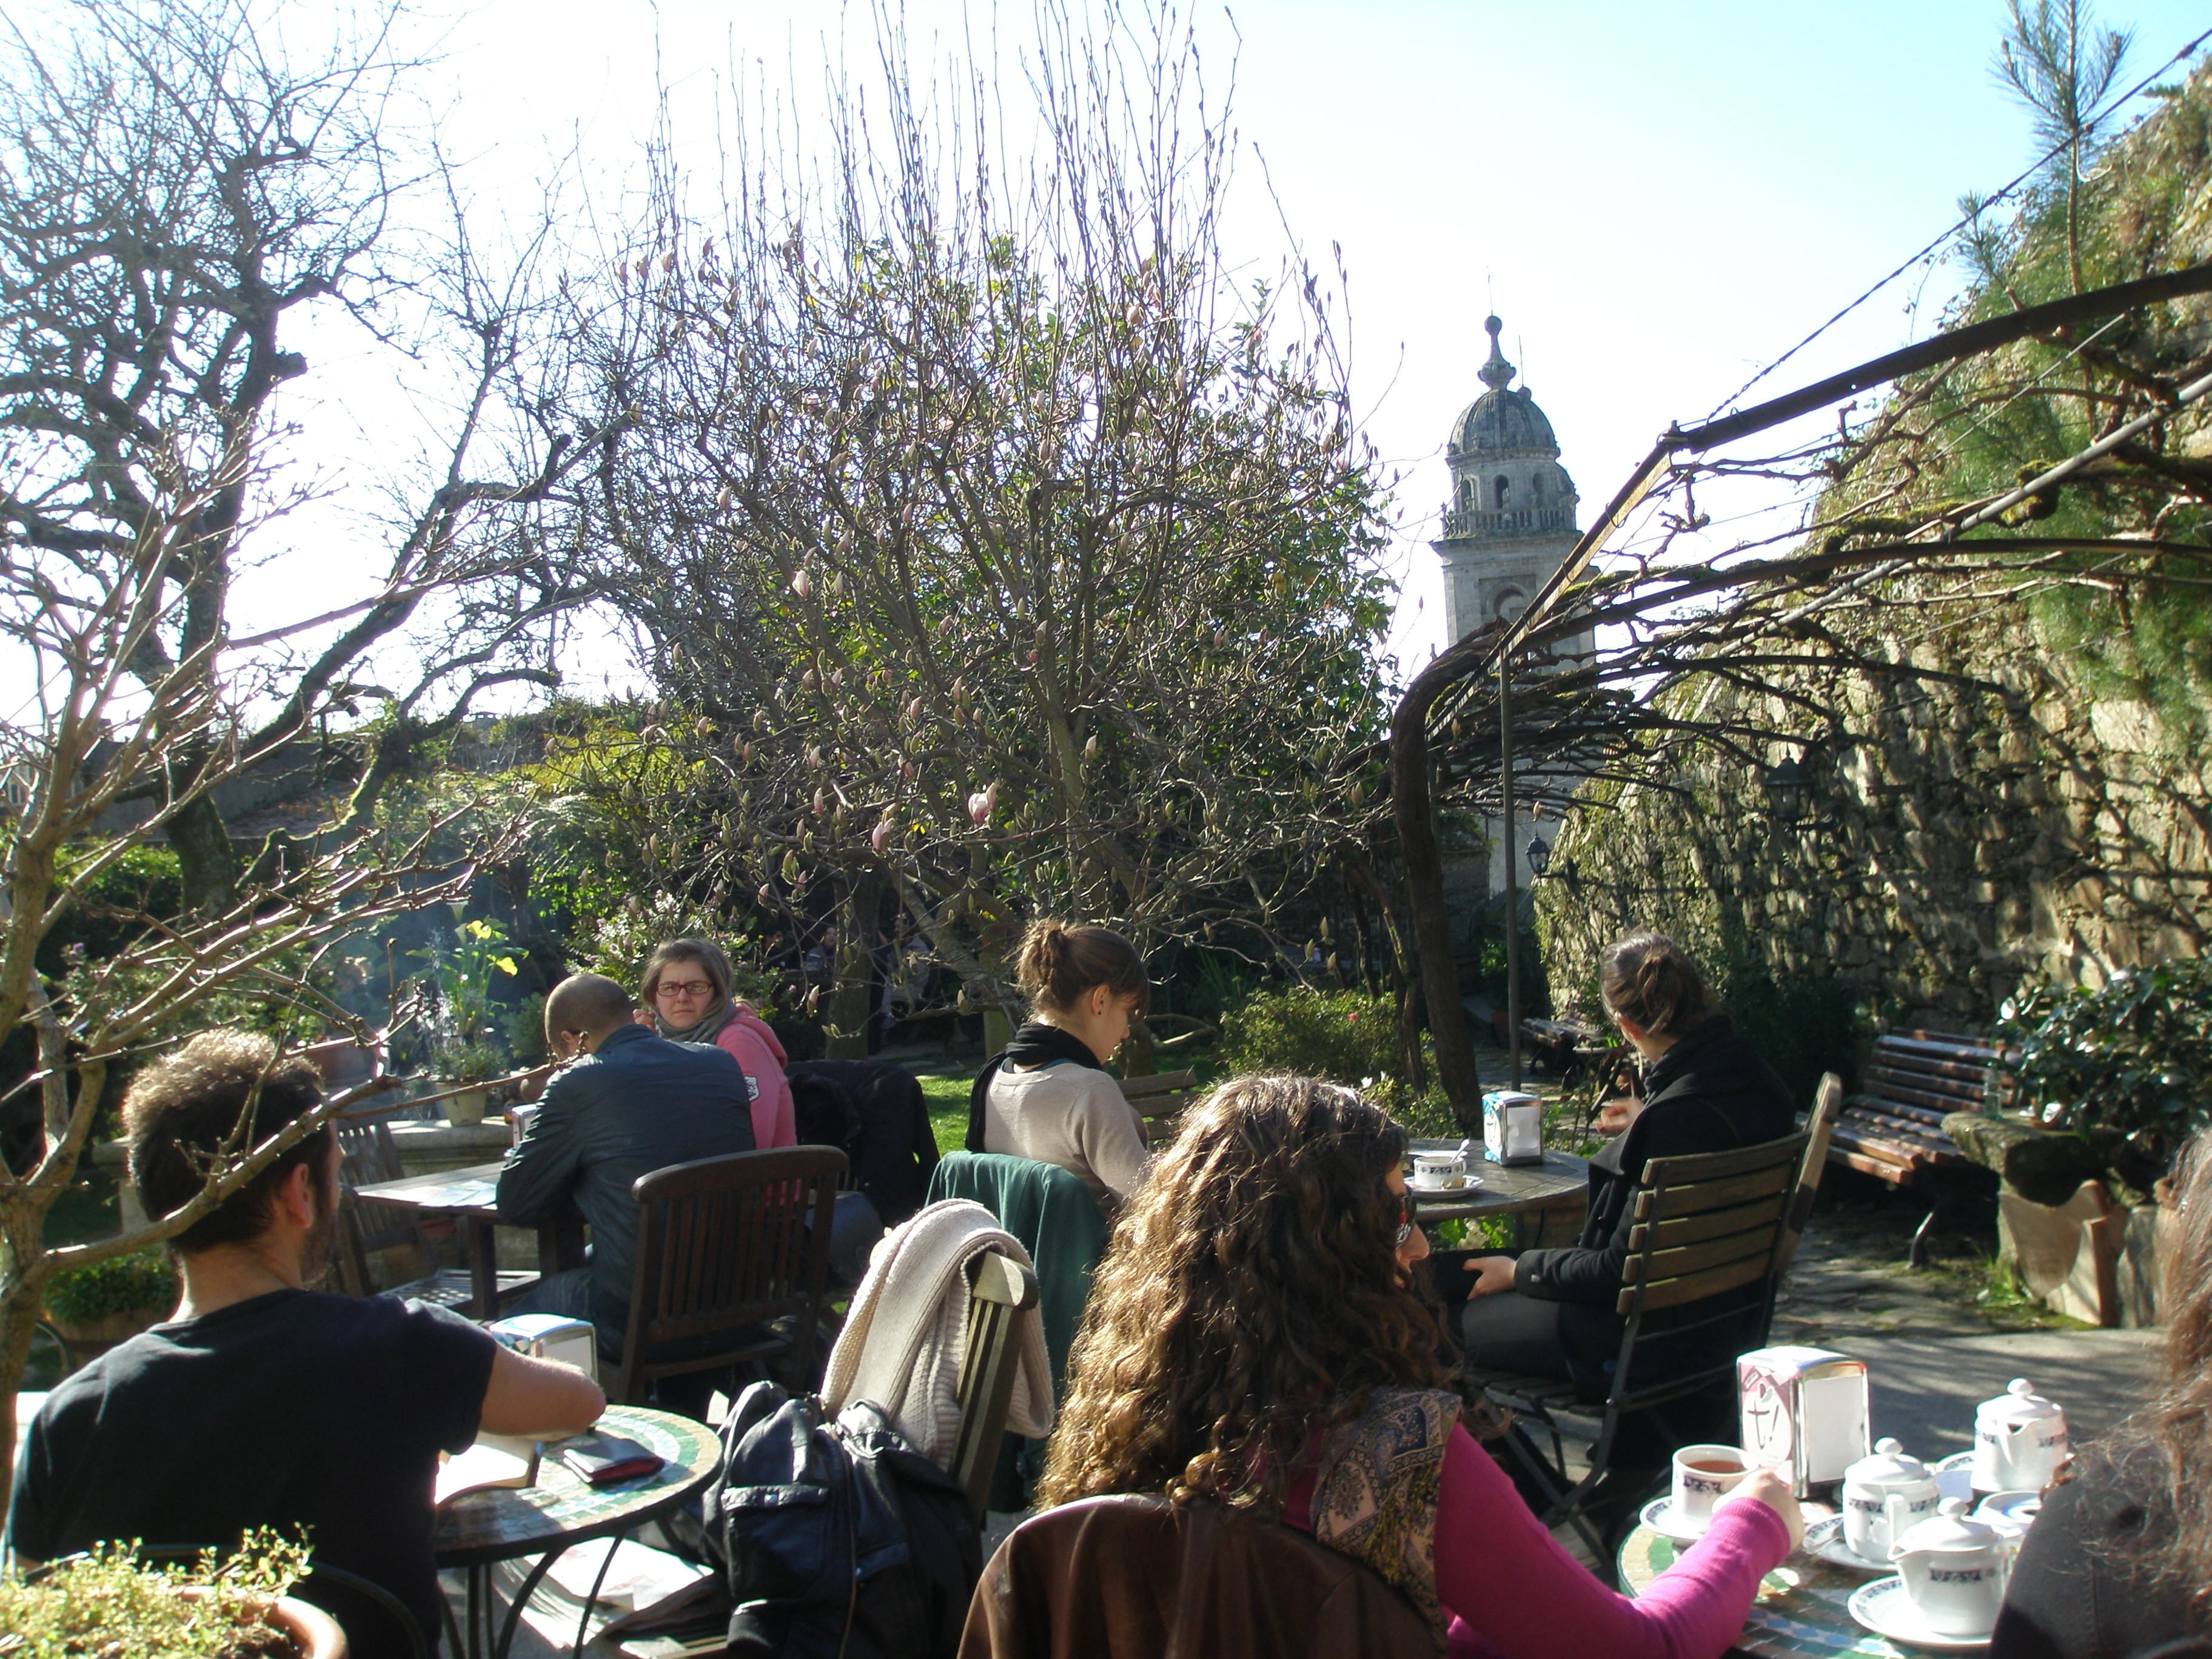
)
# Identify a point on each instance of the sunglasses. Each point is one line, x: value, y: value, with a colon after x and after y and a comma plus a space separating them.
x: 1405, y: 1218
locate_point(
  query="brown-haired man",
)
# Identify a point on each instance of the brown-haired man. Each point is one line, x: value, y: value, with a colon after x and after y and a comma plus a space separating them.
x: 262, y: 1402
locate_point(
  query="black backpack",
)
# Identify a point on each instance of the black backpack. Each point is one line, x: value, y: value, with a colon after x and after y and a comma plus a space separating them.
x: 836, y: 1539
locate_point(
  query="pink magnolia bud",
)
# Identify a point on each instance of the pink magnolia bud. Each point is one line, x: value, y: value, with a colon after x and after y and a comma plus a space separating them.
x: 803, y: 585
x: 879, y: 835
x: 980, y: 804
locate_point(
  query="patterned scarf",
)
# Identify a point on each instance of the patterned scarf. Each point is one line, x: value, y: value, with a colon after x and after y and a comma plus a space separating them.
x: 1375, y: 1495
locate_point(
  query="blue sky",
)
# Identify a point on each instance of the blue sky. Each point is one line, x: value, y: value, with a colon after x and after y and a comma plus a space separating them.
x: 1658, y: 199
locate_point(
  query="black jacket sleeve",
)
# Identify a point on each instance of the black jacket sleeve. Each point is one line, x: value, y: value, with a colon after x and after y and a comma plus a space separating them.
x: 544, y: 1166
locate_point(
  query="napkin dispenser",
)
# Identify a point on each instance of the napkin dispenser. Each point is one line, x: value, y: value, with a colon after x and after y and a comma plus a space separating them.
x: 549, y: 1336
x: 1512, y: 1127
x: 1804, y: 1410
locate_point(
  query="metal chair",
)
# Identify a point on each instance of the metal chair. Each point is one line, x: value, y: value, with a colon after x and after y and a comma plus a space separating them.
x: 1712, y: 1235
x: 725, y: 1246
x: 1000, y: 1290
x: 368, y: 1154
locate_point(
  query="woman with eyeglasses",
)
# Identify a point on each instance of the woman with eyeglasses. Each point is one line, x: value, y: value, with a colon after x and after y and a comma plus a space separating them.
x: 687, y: 993
x: 1256, y: 1335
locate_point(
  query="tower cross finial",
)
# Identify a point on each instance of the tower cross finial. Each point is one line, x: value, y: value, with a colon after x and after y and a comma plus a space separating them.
x: 1496, y: 373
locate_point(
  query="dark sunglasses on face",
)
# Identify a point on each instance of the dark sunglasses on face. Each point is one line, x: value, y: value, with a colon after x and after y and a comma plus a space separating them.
x: 1404, y: 1216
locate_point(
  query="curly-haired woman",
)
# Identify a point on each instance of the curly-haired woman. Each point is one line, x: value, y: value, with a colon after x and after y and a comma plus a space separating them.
x: 2120, y: 1559
x: 1254, y: 1336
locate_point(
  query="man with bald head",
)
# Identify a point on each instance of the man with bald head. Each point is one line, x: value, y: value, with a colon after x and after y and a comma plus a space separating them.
x: 629, y: 1102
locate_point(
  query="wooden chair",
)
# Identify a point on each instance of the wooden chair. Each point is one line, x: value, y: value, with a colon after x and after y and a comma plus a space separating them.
x: 1819, y: 1126
x: 725, y: 1246
x: 367, y: 1154
x: 1159, y: 1100
x: 1000, y: 1290
x: 1711, y: 1234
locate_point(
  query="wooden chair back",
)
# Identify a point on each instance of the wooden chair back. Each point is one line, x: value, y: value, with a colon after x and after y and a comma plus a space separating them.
x: 1819, y: 1125
x: 999, y: 1289
x: 724, y: 1245
x: 1707, y: 1224
x: 367, y: 1154
x: 1159, y: 1101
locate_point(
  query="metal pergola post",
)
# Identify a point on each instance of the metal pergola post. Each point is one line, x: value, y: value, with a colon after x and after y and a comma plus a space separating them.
x: 1512, y: 879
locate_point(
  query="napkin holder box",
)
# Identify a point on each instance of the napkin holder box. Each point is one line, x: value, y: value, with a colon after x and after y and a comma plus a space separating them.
x: 1804, y: 1410
x: 549, y: 1336
x: 1512, y: 1127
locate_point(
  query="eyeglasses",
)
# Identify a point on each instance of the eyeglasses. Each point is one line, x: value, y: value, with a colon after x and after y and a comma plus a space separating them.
x: 1405, y: 1218
x: 664, y: 991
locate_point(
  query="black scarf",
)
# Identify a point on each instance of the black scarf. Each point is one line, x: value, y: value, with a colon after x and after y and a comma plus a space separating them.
x: 1035, y: 1044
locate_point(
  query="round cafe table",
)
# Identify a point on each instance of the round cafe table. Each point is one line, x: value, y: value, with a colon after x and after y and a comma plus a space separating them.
x: 478, y: 1528
x: 1801, y: 1611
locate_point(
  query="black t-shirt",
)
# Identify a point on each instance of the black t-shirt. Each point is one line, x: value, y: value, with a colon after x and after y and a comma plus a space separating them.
x: 293, y: 1408
x: 2079, y: 1589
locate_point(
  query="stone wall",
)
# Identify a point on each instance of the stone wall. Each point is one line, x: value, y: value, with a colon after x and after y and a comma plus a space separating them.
x: 1984, y: 821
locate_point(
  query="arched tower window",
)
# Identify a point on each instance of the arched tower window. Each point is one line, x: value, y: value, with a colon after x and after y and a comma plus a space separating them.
x: 1467, y: 503
x: 1500, y: 489
x: 1536, y: 487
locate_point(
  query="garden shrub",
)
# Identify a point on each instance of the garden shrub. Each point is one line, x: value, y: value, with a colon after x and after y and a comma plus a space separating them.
x: 121, y: 1284
x: 104, y: 1603
x: 2133, y: 1056
x: 1346, y: 1037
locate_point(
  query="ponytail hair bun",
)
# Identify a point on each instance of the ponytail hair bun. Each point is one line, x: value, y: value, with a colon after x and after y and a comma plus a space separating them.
x: 1650, y: 979
x: 1056, y: 966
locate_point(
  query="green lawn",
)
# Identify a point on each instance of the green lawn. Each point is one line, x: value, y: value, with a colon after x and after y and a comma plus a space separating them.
x: 946, y: 1091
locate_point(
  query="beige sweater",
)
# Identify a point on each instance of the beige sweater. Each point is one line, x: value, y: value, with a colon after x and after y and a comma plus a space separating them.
x: 1070, y: 1116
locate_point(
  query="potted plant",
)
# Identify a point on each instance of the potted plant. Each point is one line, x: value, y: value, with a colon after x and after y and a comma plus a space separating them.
x: 469, y: 1062
x: 95, y: 1307
x: 106, y: 1602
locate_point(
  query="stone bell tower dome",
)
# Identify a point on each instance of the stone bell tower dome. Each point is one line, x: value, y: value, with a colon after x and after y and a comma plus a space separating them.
x: 1511, y: 520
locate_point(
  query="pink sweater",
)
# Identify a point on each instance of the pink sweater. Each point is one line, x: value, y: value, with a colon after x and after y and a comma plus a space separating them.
x: 752, y: 1042
x: 1514, y: 1592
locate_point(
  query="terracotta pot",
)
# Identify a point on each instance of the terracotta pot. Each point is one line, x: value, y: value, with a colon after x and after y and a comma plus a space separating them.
x: 466, y: 1109
x: 87, y: 1341
x: 315, y: 1631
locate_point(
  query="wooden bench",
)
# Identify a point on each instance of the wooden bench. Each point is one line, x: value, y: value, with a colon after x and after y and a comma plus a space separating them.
x: 1159, y: 1100
x: 1892, y: 1128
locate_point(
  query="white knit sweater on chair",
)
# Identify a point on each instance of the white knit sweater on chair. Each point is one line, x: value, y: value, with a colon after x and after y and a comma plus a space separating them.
x: 907, y: 1332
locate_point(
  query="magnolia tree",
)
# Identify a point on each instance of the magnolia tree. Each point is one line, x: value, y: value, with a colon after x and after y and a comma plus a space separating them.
x: 174, y: 197
x: 1007, y: 556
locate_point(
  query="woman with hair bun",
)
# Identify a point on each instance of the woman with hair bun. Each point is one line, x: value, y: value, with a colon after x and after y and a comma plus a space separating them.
x: 1705, y: 1090
x: 1048, y: 1095
x: 1253, y: 1338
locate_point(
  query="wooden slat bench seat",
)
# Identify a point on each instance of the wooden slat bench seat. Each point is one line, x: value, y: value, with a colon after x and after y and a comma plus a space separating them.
x: 1893, y: 1129
x: 1159, y: 1100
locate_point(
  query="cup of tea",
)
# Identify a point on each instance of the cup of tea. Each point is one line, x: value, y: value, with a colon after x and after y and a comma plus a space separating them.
x: 1703, y: 1476
x: 1436, y: 1172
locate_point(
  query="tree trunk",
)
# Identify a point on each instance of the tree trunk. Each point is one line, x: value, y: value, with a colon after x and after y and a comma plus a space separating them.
x: 207, y: 863
x: 19, y: 1319
x: 1425, y: 878
x: 851, y: 999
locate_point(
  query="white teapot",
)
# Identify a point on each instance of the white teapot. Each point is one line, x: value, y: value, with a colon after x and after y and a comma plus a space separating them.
x: 1884, y: 1493
x: 2020, y: 1440
x: 1955, y: 1571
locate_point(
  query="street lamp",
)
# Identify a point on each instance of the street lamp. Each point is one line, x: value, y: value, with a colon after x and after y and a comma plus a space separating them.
x: 1786, y: 789
x: 1540, y: 855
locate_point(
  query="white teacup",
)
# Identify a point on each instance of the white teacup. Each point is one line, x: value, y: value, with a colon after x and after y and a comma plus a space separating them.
x: 1438, y: 1171
x: 1703, y: 1476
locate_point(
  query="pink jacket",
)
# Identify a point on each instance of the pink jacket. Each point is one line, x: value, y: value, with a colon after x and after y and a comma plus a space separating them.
x: 752, y: 1044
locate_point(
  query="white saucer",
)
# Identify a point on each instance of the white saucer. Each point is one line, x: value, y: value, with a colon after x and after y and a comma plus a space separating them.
x: 1954, y: 1475
x: 1659, y: 1515
x: 1884, y: 1608
x: 1470, y: 1185
x: 1826, y: 1539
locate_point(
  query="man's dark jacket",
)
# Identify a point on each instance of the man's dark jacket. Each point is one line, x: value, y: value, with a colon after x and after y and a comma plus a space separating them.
x: 638, y: 1103
x: 1710, y: 1092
